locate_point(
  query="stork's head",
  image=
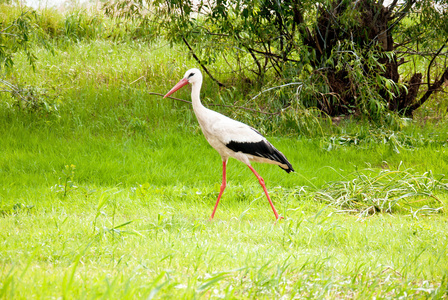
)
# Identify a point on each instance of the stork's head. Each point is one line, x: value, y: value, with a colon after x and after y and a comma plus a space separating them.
x: 192, y: 76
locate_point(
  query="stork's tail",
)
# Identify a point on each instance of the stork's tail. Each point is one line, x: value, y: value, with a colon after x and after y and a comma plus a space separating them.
x: 285, y: 164
x: 275, y: 155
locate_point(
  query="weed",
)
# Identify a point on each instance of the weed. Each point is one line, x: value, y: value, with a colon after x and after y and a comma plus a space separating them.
x: 33, y: 99
x: 66, y: 182
x: 396, y: 140
x: 385, y: 191
x: 15, y: 209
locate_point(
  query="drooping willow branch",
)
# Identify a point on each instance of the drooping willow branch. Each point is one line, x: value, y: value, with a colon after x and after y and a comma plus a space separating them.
x: 276, y: 87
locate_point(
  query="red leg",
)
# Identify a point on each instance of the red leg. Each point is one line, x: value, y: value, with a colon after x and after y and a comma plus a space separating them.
x: 223, y: 186
x: 261, y: 180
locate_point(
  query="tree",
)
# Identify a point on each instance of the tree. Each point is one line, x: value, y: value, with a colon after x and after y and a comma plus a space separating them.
x: 363, y: 56
x: 352, y: 57
x: 15, y: 36
x: 19, y: 33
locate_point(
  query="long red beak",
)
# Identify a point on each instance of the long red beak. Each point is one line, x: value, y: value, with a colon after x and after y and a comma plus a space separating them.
x: 179, y: 85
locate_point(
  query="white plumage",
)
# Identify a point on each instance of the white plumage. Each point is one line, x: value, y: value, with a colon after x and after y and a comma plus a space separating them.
x: 231, y: 138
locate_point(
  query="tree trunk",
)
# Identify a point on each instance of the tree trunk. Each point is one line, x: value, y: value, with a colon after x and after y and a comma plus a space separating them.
x: 368, y: 29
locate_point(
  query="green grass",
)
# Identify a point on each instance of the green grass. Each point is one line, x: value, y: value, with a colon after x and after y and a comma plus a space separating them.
x: 109, y: 196
x: 134, y: 246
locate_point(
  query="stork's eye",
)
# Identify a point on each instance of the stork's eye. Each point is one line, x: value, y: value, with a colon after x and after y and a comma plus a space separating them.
x: 191, y: 74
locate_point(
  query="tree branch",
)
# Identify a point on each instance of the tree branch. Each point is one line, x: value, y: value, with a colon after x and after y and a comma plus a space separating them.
x: 260, y: 70
x: 432, y: 60
x: 405, y: 10
x: 269, y: 54
x: 221, y: 105
x: 399, y: 16
x: 391, y: 7
x: 434, y: 87
x: 199, y: 62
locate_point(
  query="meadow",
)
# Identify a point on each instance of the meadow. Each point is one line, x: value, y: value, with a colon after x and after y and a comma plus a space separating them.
x: 106, y: 190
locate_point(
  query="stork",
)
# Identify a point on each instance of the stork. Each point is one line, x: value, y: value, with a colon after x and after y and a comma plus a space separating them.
x: 231, y: 138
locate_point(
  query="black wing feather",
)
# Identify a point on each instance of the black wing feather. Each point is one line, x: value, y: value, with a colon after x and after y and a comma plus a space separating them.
x: 261, y: 149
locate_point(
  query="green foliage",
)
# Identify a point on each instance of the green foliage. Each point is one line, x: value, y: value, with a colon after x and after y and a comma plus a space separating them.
x: 134, y: 219
x: 43, y: 102
x: 396, y: 140
x: 21, y: 28
x: 257, y: 44
x: 185, y: 256
x: 307, y: 121
x: 66, y: 182
x: 16, y: 35
x: 15, y: 209
x: 347, y: 48
x: 387, y: 191
x: 80, y: 25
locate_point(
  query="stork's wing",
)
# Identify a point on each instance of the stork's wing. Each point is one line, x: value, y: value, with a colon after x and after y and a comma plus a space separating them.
x: 240, y: 137
x: 228, y: 130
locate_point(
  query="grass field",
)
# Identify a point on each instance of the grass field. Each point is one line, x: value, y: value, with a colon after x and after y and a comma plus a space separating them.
x: 106, y: 192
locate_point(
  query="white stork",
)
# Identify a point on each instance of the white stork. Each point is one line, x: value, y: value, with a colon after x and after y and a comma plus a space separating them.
x: 231, y: 138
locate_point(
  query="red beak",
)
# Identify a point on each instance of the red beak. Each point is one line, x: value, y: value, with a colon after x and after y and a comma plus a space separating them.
x: 180, y: 84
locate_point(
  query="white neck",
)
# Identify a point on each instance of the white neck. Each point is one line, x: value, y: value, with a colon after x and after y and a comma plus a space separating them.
x: 195, y: 97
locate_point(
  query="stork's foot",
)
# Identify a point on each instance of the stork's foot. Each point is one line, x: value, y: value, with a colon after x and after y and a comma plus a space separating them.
x: 278, y: 219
